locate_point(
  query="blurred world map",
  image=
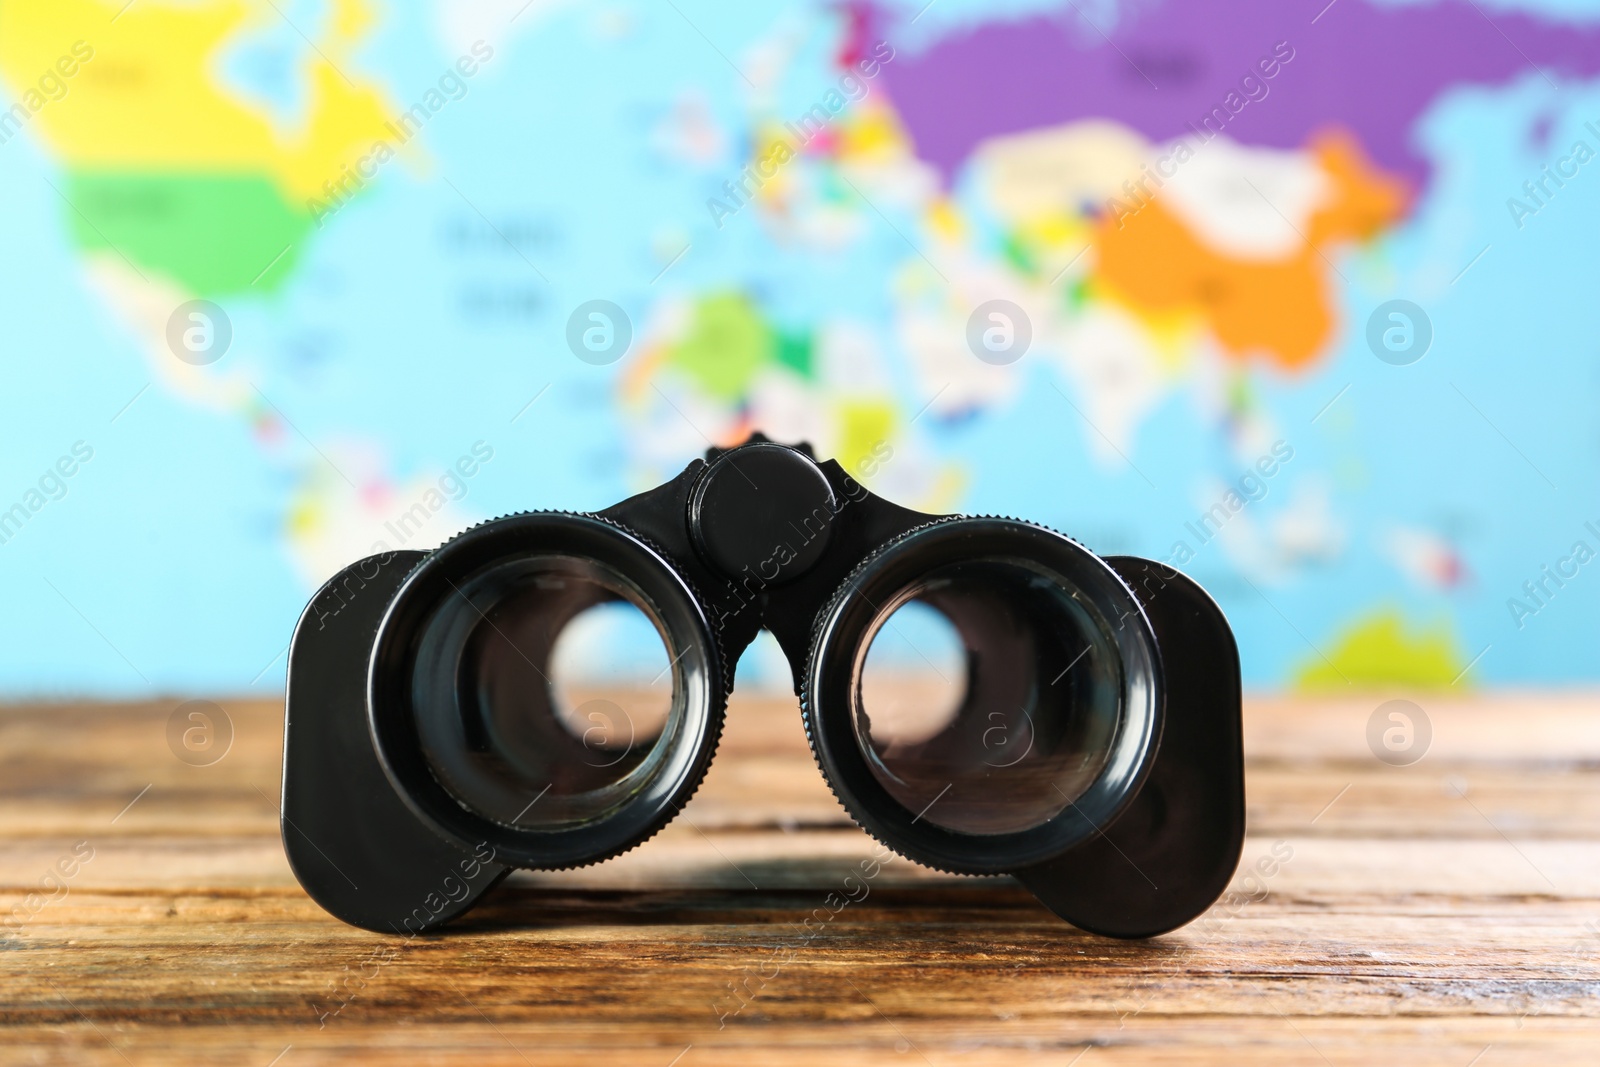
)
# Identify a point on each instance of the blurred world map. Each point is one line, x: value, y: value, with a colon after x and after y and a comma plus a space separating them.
x: 1298, y: 297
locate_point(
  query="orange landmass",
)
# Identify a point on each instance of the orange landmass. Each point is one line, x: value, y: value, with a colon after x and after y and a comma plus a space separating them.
x: 1156, y: 266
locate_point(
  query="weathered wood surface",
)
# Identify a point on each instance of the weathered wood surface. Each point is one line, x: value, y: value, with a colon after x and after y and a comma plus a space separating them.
x: 1442, y: 913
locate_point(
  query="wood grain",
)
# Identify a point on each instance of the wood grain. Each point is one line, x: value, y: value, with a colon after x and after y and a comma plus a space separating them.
x: 1429, y: 914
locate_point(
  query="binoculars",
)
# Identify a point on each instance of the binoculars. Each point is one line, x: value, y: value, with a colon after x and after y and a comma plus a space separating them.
x: 1089, y: 744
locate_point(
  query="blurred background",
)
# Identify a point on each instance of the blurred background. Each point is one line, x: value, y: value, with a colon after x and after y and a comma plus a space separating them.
x: 1297, y: 297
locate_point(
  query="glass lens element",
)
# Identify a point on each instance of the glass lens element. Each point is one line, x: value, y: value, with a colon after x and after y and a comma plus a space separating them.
x: 610, y: 680
x: 915, y: 676
x: 1017, y: 727
x: 566, y: 696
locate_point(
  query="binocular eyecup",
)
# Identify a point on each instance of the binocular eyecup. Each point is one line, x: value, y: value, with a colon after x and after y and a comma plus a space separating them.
x: 1082, y: 737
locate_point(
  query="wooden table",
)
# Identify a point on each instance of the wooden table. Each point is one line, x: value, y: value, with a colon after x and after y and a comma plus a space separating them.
x: 1447, y: 912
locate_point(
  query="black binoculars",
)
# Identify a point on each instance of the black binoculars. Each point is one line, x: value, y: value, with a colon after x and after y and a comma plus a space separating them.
x: 1091, y: 747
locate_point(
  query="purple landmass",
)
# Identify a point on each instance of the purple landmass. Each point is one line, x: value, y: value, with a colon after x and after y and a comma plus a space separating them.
x: 1371, y: 70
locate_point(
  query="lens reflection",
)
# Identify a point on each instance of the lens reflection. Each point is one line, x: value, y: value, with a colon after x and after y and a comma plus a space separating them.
x: 609, y: 681
x: 914, y: 678
x: 1013, y: 730
x: 566, y: 697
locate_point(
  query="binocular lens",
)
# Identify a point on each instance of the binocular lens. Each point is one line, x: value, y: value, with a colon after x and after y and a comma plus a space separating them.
x: 1014, y: 711
x: 557, y: 691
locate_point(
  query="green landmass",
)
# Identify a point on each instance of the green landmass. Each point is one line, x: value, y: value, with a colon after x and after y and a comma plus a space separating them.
x: 796, y: 352
x: 728, y: 342
x: 1023, y: 258
x: 213, y: 234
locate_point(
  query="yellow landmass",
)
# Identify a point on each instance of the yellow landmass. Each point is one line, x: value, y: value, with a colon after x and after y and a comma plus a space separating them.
x: 1379, y: 650
x: 873, y: 134
x: 864, y: 427
x: 149, y: 99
